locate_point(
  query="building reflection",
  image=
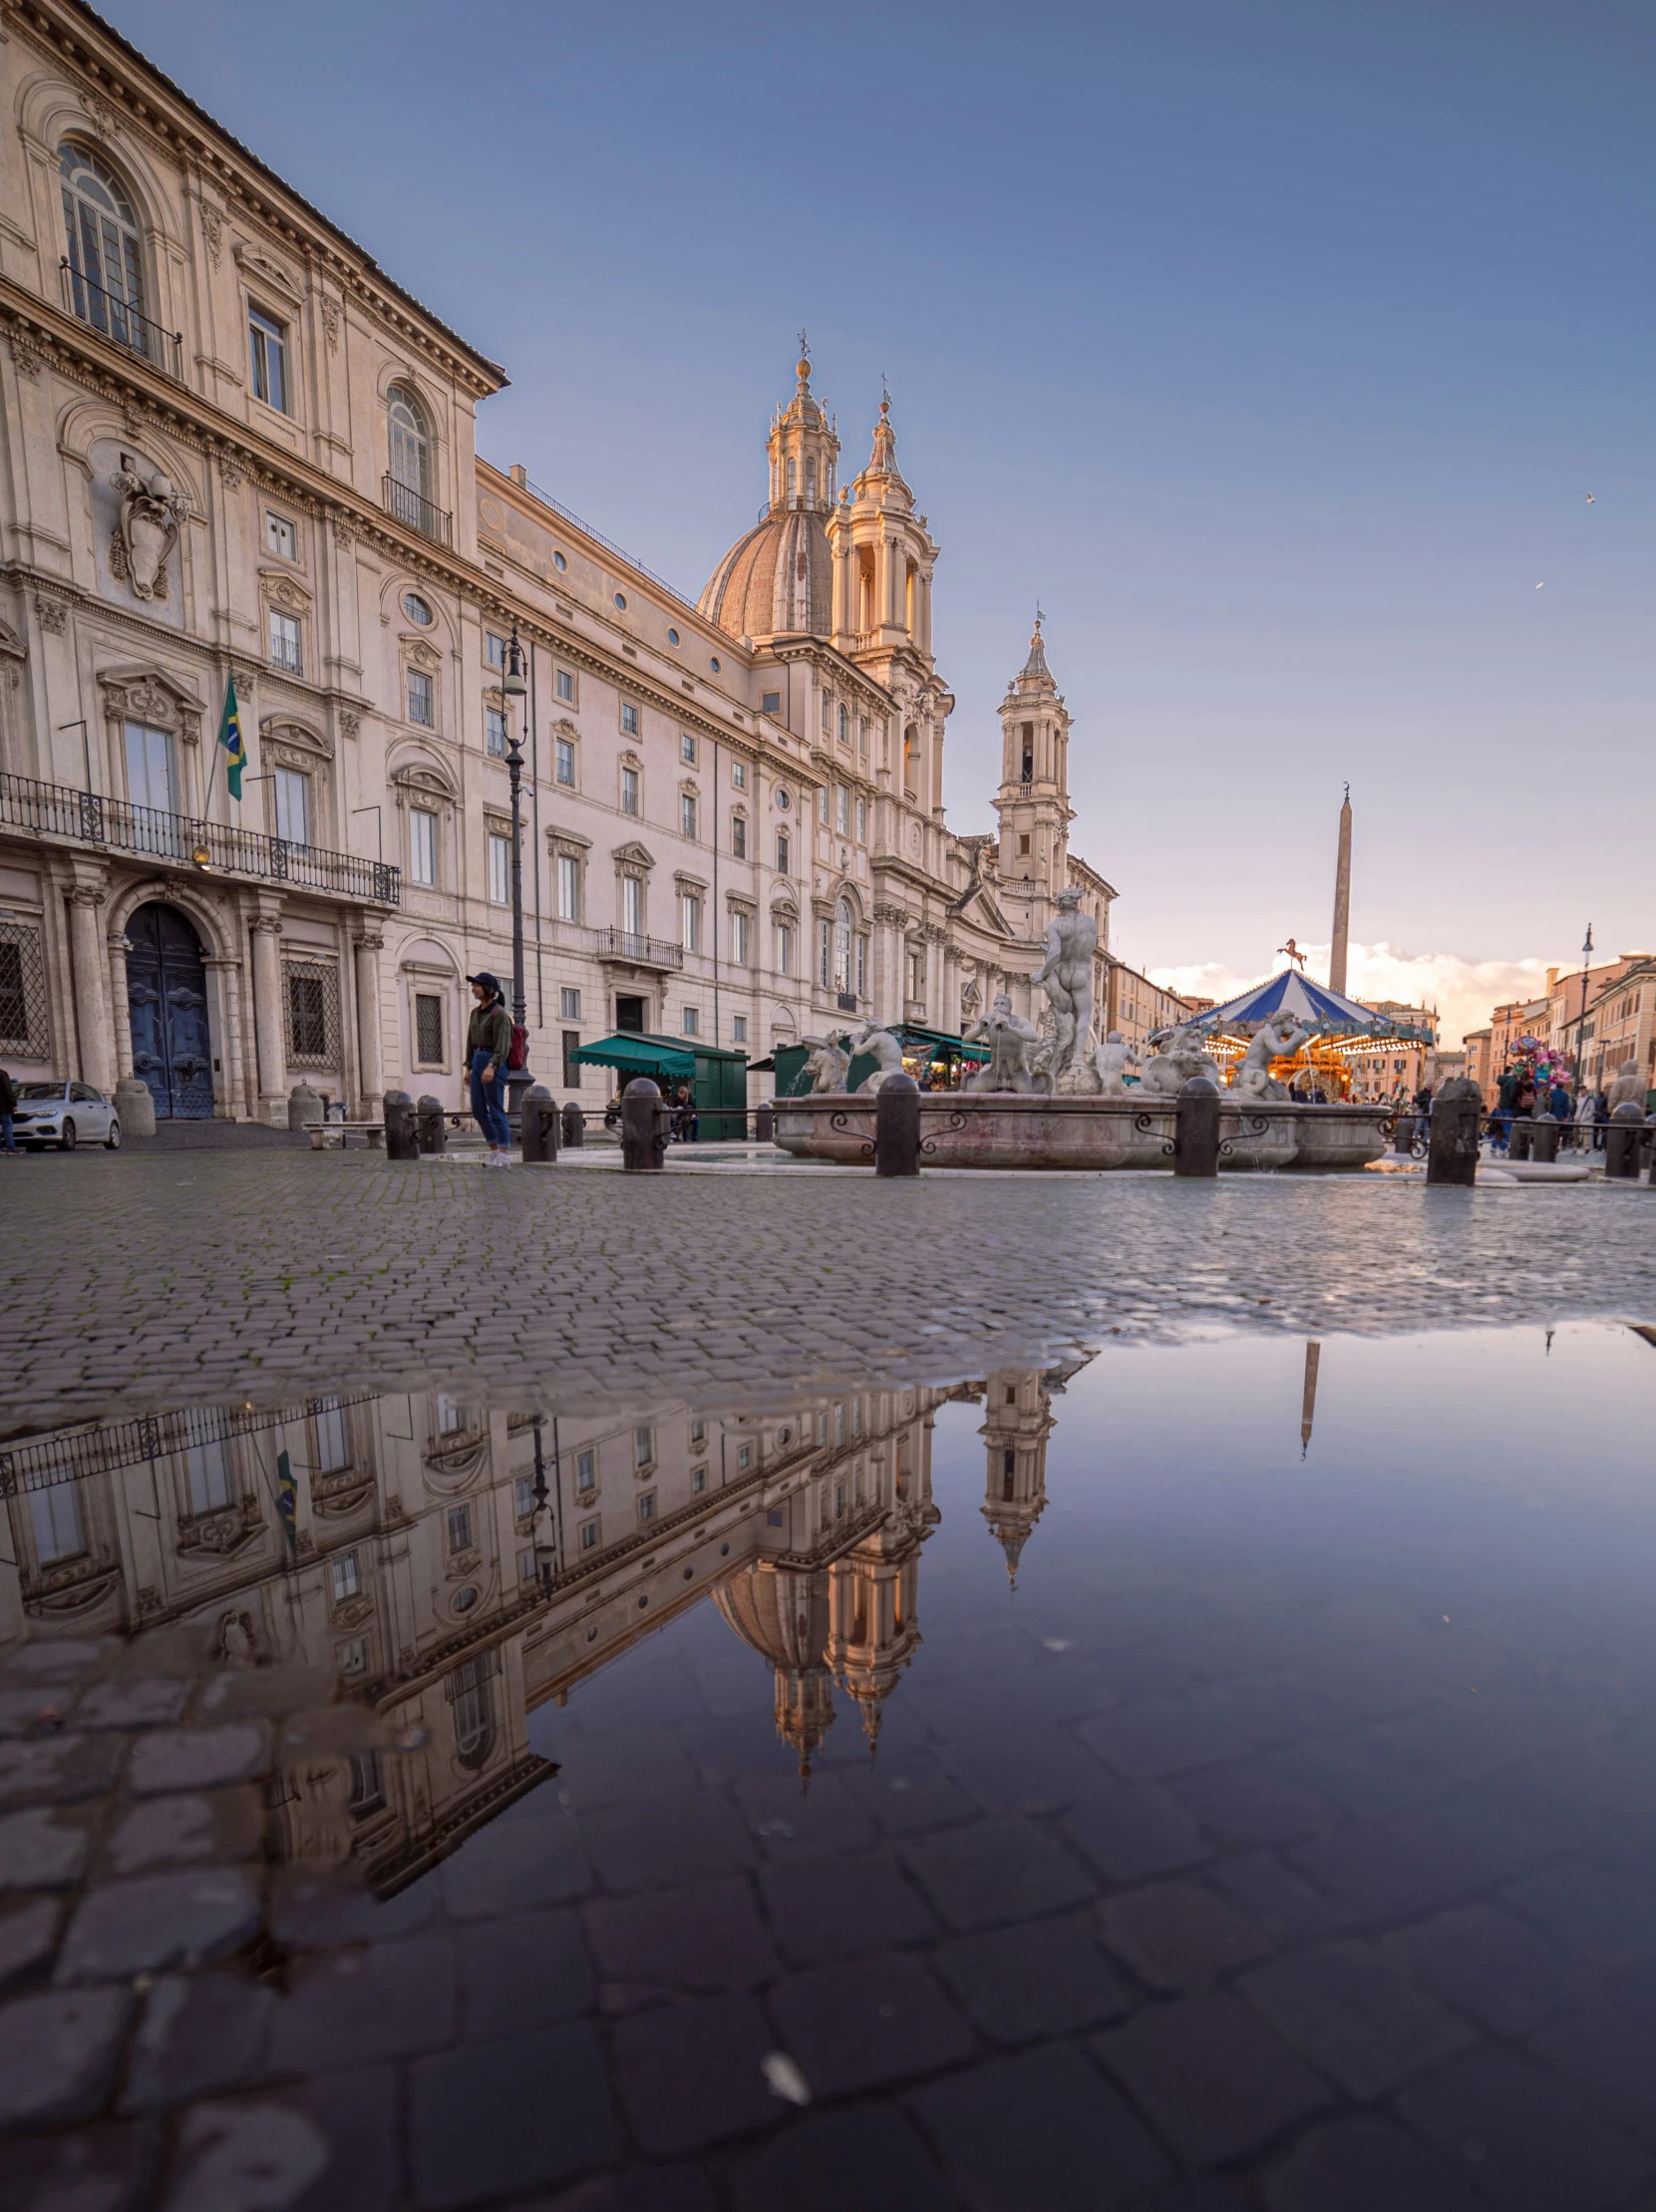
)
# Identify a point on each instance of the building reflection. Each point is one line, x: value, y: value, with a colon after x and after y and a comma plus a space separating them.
x: 437, y: 1608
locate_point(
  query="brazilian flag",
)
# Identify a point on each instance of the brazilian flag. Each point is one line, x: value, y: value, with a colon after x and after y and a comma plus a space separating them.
x: 230, y: 738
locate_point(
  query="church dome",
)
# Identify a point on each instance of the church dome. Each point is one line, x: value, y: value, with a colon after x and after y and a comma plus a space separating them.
x: 777, y: 581
x: 781, y: 1613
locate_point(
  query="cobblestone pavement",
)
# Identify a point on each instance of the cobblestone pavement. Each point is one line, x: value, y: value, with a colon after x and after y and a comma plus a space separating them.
x: 178, y: 1280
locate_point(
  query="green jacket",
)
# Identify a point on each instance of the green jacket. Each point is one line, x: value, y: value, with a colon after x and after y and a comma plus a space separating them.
x: 1506, y: 1090
x: 489, y: 1030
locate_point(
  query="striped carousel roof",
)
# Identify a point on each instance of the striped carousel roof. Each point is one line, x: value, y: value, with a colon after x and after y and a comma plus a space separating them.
x: 1330, y: 1013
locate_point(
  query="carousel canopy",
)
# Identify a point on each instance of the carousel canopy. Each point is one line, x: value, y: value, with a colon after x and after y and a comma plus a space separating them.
x: 1330, y: 1013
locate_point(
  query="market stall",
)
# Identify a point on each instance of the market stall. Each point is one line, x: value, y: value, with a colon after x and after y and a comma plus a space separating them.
x: 718, y: 1079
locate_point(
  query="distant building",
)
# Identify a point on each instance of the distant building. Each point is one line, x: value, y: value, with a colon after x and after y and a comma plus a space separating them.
x: 1137, y: 1007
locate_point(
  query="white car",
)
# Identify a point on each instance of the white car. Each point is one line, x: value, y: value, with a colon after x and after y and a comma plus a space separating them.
x: 64, y: 1114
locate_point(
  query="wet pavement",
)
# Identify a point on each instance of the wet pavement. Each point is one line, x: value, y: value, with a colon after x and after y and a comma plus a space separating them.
x: 1202, y: 1774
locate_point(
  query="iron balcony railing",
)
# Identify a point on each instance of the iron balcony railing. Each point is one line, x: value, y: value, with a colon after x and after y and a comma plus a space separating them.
x: 406, y: 505
x: 211, y: 847
x: 122, y: 323
x: 642, y: 952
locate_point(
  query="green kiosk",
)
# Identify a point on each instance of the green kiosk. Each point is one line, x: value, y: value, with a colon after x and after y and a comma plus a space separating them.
x: 718, y: 1079
x: 936, y: 1061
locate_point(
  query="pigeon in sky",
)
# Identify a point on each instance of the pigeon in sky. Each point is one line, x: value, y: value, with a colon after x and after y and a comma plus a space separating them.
x: 1589, y: 498
x: 1540, y: 587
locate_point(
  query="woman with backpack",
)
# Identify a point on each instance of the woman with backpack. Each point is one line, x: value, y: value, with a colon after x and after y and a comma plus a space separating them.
x: 488, y: 1053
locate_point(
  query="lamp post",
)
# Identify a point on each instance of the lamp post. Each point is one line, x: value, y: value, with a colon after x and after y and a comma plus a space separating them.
x: 1582, y: 1018
x: 515, y: 687
x: 545, y: 1548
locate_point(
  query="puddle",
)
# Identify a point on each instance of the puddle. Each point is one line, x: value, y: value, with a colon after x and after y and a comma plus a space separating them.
x: 404, y: 1800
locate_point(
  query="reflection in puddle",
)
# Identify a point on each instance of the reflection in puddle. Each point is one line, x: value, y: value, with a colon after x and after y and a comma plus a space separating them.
x: 1250, y: 1704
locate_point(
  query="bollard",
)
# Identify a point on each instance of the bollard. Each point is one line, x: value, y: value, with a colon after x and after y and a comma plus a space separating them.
x: 430, y: 1125
x: 1544, y: 1141
x: 1521, y: 1137
x: 1402, y: 1134
x: 1197, y: 1129
x: 644, y: 1124
x: 898, y: 1126
x: 1452, y: 1141
x: 401, y: 1141
x: 304, y: 1107
x: 1621, y: 1142
x: 764, y: 1122
x: 537, y: 1120
x: 574, y: 1127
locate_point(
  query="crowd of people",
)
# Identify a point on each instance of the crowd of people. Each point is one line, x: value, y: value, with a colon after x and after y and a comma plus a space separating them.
x: 1522, y: 1093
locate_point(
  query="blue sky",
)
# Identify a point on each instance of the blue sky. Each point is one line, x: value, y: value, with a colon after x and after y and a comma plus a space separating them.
x: 1275, y: 346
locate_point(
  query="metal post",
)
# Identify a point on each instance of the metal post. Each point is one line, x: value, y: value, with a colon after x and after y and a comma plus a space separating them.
x: 1402, y: 1134
x: 643, y: 1127
x: 1622, y: 1141
x: 537, y: 1121
x: 515, y: 690
x: 898, y: 1126
x: 433, y: 1129
x: 1523, y: 1135
x: 764, y: 1122
x: 401, y: 1138
x: 574, y: 1127
x: 1451, y: 1147
x: 1197, y: 1129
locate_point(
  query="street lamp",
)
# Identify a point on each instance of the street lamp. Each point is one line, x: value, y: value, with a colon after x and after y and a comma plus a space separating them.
x: 545, y: 1548
x: 516, y: 687
x: 1582, y: 1018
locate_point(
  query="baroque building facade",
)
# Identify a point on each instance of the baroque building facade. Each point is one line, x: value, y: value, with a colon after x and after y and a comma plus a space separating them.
x: 236, y: 450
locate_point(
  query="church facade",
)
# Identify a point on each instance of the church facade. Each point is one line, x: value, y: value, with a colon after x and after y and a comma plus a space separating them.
x: 237, y: 452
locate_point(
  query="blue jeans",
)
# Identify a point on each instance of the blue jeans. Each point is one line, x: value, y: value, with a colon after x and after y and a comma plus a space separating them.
x: 488, y: 1101
x: 8, y: 1143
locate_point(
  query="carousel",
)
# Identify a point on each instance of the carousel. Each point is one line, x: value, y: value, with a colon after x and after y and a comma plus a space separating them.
x: 1341, y: 1048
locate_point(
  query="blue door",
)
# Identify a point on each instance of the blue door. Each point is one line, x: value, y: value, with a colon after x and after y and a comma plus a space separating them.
x: 167, y: 994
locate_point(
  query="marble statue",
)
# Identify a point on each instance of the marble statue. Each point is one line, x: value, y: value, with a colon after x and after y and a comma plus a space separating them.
x: 1180, y: 1054
x: 1066, y: 975
x: 1112, y: 1061
x: 146, y: 528
x: 1629, y: 1086
x: 1279, y: 1037
x: 1011, y: 1040
x: 887, y: 1055
x: 829, y: 1064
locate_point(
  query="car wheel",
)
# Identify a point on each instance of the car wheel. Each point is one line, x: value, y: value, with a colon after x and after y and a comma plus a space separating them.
x: 66, y: 1142
x: 112, y: 1143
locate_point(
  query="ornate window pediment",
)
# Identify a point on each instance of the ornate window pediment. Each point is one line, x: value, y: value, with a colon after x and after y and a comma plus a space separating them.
x: 417, y: 776
x: 260, y: 268
x: 148, y: 693
x: 419, y: 654
x: 285, y: 592
x: 299, y: 738
x: 634, y: 855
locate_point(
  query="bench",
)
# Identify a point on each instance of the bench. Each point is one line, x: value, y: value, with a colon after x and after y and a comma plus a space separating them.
x: 321, y: 1134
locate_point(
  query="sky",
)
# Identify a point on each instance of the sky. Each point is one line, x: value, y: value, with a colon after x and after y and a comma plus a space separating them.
x: 1295, y: 355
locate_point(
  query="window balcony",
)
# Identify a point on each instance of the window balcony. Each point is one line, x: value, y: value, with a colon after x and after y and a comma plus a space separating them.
x: 636, y: 951
x: 120, y: 323
x: 414, y: 512
x: 62, y: 814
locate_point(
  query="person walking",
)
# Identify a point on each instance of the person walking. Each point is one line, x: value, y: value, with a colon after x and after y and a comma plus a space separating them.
x: 1506, y: 1090
x: 1581, y: 1140
x: 487, y: 1048
x: 8, y: 1106
x: 1601, y: 1117
x: 1558, y: 1100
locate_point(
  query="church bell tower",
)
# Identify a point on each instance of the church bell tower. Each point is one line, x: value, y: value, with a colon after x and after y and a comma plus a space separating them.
x: 1034, y: 798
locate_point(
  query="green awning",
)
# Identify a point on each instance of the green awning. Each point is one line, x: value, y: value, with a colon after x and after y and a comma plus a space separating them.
x: 637, y: 1056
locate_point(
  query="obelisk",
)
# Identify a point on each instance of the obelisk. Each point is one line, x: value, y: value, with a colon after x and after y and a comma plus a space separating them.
x: 1342, y: 901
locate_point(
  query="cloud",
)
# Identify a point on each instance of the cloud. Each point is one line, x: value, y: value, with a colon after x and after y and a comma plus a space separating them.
x: 1463, y: 991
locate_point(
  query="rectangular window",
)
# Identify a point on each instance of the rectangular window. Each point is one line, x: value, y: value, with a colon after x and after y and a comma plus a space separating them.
x: 494, y: 649
x: 353, y: 1657
x: 587, y: 1470
x: 687, y: 748
x: 827, y: 713
x: 862, y: 967
x: 571, y: 1066
x: 739, y: 836
x: 427, y: 1028
x: 345, y: 1575
x: 366, y: 1789
x: 739, y: 1029
x: 332, y: 1446
x: 738, y: 939
x: 785, y: 949
x: 566, y: 762
x: 630, y: 718
x: 841, y: 809
x: 495, y: 731
x: 687, y: 813
x: 589, y: 1535
x: 569, y: 1004
x: 646, y: 1506
x: 568, y: 887
x: 739, y: 775
x: 292, y: 806
x: 824, y: 952
x: 268, y: 342
x: 422, y: 847
x: 822, y: 806
x: 863, y: 821
x: 151, y: 780
x: 522, y: 1498
x: 770, y: 703
x: 56, y: 1514
x: 744, y: 1456
x: 460, y: 1528
x: 208, y: 1466
x: 690, y: 922
x: 280, y: 537
x: 632, y: 905
x: 309, y: 1037
x: 629, y: 790
x: 565, y: 685
x: 692, y: 1022
x: 499, y: 870
x: 782, y: 852
x: 844, y: 729
x: 450, y: 1414
x: 862, y: 735
x: 525, y: 1566
x: 698, y: 1480
x: 284, y: 641
x: 421, y: 706
x: 643, y: 1447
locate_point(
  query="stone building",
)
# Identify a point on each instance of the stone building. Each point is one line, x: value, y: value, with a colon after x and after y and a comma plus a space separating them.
x: 236, y: 450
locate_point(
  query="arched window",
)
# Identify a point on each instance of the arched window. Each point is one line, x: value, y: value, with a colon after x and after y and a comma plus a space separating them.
x: 106, y: 251
x: 843, y: 946
x: 410, y: 459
